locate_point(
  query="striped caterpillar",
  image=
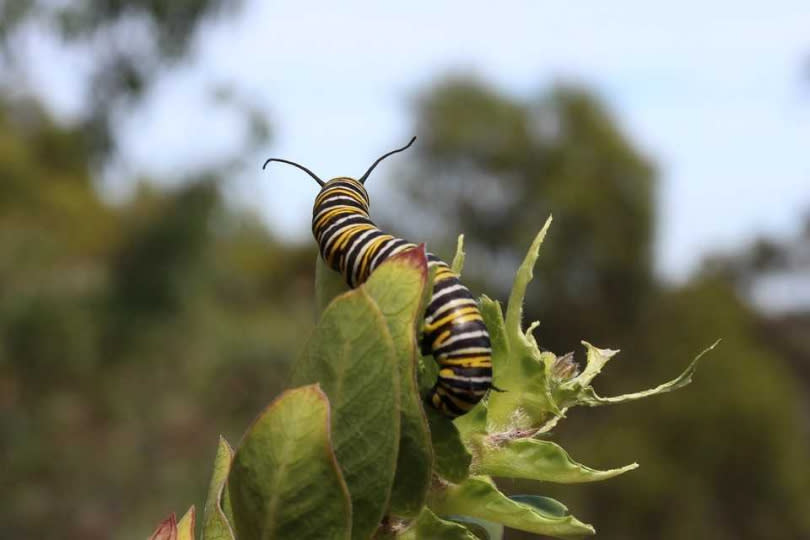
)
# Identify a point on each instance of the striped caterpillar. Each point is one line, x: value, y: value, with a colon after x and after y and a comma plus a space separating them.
x: 453, y: 330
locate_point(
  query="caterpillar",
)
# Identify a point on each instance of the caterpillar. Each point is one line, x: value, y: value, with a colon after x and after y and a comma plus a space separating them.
x: 453, y: 330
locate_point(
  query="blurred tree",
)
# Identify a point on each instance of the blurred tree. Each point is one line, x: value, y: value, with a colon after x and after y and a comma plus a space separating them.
x: 504, y: 165
x: 721, y: 460
x: 128, y: 43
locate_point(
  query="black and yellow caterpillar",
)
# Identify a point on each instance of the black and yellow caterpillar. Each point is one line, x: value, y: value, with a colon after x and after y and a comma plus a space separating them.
x: 453, y: 330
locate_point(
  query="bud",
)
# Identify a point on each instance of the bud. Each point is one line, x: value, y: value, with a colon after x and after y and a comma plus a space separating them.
x: 565, y: 367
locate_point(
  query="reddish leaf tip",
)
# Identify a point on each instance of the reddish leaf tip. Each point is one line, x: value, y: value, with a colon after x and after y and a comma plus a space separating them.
x: 415, y: 257
x: 167, y: 529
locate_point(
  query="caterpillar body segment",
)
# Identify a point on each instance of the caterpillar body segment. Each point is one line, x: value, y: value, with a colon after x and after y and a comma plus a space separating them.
x: 453, y: 330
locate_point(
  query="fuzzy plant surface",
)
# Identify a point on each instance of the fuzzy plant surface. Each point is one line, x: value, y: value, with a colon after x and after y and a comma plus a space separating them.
x: 350, y: 452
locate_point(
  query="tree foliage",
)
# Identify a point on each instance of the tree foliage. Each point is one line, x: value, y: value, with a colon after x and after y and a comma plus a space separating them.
x: 493, y: 167
x: 489, y: 164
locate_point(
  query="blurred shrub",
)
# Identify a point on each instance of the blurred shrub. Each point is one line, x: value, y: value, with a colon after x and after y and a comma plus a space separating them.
x: 130, y: 336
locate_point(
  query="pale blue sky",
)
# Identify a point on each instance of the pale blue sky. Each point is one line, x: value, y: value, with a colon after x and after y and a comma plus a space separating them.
x: 712, y: 92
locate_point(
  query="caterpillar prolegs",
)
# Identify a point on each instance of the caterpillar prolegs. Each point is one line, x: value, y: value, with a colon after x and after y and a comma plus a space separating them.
x: 453, y: 330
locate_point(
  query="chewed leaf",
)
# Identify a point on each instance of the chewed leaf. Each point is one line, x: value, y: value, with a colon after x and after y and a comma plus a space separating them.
x: 216, y: 525
x: 514, y: 310
x: 519, y: 372
x: 286, y: 453
x: 458, y: 258
x: 578, y: 391
x: 537, y: 460
x: 478, y: 497
x: 519, y: 368
x: 187, y: 524
x: 428, y: 526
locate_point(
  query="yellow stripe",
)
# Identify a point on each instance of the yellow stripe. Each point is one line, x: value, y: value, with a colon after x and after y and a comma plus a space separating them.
x: 473, y: 361
x: 471, y: 314
x: 337, y: 210
x: 456, y: 304
x: 444, y: 273
x: 339, y: 191
x: 439, y: 341
x: 370, y: 252
x: 345, y: 237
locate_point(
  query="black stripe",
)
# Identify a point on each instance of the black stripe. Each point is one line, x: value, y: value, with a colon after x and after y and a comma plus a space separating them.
x: 351, y: 220
x: 453, y: 408
x: 465, y: 393
x: 355, y: 246
x: 466, y: 343
x: 470, y: 371
x: 385, y: 252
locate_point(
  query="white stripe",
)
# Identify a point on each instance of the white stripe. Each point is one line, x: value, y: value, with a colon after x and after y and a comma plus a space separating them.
x: 382, y: 250
x: 398, y: 249
x: 448, y: 290
x: 333, y: 225
x: 465, y: 335
x: 360, y: 255
x: 336, y: 234
x: 469, y: 379
x: 448, y: 306
x: 330, y: 208
x: 358, y: 241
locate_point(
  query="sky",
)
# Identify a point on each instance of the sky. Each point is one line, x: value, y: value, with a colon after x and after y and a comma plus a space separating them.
x: 716, y: 94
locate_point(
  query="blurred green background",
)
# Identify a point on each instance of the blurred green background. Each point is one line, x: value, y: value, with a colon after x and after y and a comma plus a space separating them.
x: 136, y: 328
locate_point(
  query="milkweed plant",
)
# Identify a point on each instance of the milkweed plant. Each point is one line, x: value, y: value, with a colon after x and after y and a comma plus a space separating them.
x: 350, y: 452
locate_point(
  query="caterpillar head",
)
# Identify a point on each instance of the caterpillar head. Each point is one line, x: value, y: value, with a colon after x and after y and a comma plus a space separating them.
x: 360, y: 181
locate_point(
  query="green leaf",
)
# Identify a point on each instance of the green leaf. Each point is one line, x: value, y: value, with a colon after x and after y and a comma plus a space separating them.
x: 351, y: 354
x: 458, y: 258
x: 427, y: 369
x: 481, y: 528
x: 474, y: 423
x: 216, y: 525
x: 578, y: 391
x: 285, y: 481
x: 547, y: 505
x: 398, y: 287
x: 428, y: 526
x: 536, y: 460
x: 186, y: 525
x: 227, y: 508
x: 521, y: 372
x: 478, y: 497
x: 514, y: 310
x: 452, y: 457
x: 428, y: 373
x: 519, y: 368
x: 328, y: 285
